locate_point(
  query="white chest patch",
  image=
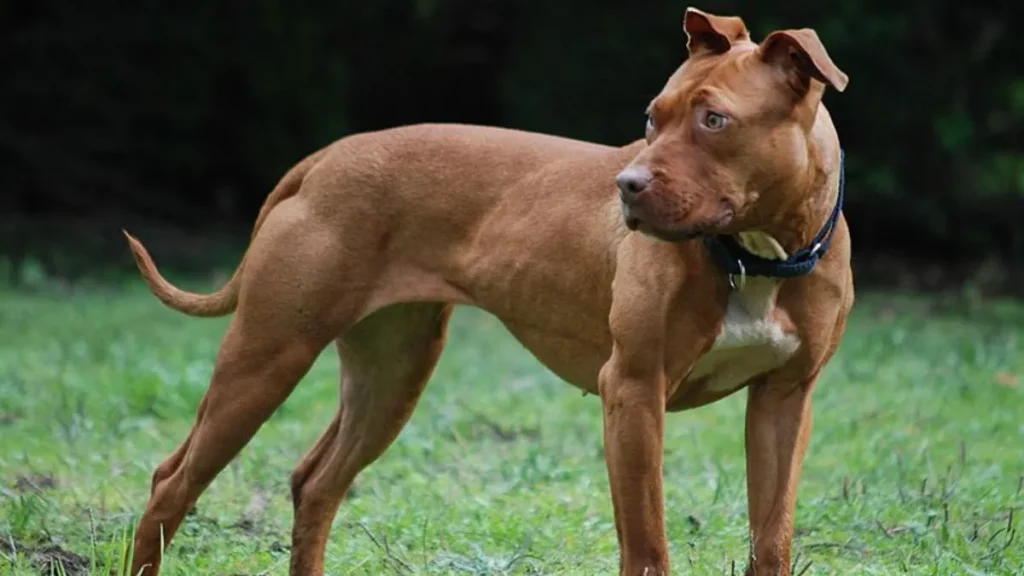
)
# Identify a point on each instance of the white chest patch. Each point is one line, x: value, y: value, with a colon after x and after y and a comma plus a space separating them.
x: 751, y: 342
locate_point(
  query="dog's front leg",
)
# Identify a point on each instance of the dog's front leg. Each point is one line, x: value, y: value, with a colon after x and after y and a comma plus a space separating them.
x: 777, y: 431
x: 634, y: 416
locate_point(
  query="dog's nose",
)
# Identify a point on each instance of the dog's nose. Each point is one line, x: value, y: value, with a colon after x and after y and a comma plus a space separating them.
x: 632, y: 181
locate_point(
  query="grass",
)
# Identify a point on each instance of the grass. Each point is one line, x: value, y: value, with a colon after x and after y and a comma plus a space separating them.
x: 916, y: 464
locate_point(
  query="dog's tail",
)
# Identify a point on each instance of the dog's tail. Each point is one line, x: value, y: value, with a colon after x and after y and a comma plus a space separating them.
x: 223, y: 301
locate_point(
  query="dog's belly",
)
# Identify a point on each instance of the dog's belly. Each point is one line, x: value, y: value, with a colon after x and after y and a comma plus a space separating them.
x: 755, y: 338
x: 575, y: 357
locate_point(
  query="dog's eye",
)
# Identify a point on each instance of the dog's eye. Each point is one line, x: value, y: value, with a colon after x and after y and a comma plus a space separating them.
x: 649, y: 128
x: 714, y: 121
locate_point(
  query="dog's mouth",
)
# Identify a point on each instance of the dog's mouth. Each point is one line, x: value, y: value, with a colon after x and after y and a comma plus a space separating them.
x: 682, y: 235
x: 635, y: 224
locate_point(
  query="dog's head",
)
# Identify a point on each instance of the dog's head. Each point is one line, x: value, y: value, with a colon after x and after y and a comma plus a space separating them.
x: 731, y: 132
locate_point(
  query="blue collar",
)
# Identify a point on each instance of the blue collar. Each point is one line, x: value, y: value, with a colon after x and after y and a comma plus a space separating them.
x: 736, y: 261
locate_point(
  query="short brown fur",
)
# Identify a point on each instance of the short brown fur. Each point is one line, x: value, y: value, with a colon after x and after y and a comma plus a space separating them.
x: 371, y: 241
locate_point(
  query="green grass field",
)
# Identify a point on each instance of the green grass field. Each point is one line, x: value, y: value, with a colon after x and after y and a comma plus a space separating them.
x: 916, y: 464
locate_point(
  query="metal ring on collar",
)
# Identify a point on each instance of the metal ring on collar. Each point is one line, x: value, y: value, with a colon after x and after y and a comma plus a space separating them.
x: 733, y: 284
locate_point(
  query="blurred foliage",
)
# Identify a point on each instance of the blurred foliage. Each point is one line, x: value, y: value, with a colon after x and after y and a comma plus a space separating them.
x: 190, y: 111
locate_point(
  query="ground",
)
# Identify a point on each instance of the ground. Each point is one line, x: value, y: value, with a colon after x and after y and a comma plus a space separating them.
x: 915, y: 466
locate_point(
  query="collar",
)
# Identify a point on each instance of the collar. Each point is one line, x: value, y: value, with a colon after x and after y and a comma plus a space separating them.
x: 738, y: 262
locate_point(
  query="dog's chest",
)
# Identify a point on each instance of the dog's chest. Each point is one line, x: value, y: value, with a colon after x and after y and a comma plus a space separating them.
x: 752, y: 340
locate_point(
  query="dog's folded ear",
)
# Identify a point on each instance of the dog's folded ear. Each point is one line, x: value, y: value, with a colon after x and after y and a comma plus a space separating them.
x: 710, y: 34
x: 802, y: 56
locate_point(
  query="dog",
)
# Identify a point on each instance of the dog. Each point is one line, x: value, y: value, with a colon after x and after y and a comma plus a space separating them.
x: 707, y: 257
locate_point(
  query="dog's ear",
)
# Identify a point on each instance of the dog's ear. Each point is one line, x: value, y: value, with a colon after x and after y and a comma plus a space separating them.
x: 802, y: 56
x: 710, y: 34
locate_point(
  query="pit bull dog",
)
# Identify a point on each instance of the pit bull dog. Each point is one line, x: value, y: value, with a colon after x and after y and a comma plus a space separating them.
x: 708, y: 257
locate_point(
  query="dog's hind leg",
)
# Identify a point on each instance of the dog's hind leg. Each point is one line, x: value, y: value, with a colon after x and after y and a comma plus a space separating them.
x: 386, y: 362
x: 295, y: 298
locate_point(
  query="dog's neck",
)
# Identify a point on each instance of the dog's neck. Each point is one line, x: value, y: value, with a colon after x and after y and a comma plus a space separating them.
x: 796, y: 226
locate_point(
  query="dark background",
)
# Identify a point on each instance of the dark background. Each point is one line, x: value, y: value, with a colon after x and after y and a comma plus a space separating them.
x: 175, y: 119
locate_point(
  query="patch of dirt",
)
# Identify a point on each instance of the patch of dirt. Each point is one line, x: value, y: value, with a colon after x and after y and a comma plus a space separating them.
x: 485, y: 426
x: 35, y: 483
x: 1007, y: 380
x: 8, y: 418
x: 50, y: 559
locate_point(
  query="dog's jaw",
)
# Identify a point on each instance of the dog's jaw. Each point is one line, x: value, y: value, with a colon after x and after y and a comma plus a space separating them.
x: 636, y: 224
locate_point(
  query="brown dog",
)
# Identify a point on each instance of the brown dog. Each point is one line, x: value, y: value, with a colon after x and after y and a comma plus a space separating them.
x: 372, y: 241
